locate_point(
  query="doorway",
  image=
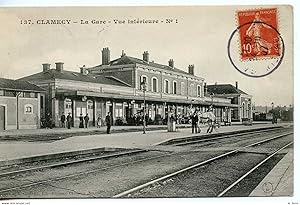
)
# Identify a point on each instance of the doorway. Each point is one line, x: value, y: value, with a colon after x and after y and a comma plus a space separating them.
x: 2, y: 118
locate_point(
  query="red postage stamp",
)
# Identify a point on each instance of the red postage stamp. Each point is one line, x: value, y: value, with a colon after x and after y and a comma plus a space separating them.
x: 258, y: 31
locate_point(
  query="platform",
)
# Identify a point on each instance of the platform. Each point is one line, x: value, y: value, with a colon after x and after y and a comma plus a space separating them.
x: 10, y: 150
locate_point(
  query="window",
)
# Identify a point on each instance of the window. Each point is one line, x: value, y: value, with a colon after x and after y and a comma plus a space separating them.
x: 119, y: 110
x: 1, y: 92
x: 28, y: 109
x: 174, y: 87
x: 154, y: 84
x: 243, y: 110
x: 29, y: 95
x: 9, y: 93
x: 182, y: 88
x: 192, y: 90
x: 198, y: 91
x: 166, y: 86
x: 90, y: 104
x: 144, y: 79
x: 80, y: 110
x: 68, y: 106
x: 26, y: 95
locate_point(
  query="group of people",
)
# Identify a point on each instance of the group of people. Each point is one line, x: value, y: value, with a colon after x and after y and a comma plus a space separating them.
x: 84, y: 121
x: 66, y: 121
x: 196, y: 118
x: 138, y: 119
x: 203, y: 117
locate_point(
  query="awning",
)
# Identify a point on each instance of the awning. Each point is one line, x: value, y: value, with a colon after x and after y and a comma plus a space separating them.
x: 141, y: 98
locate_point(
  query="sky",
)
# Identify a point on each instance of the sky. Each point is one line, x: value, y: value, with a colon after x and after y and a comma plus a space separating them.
x: 199, y: 37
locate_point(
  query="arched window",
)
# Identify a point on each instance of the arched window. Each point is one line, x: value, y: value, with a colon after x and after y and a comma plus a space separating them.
x: 154, y: 84
x: 174, y: 87
x: 166, y: 86
x: 192, y: 90
x: 68, y: 106
x: 144, y: 79
x: 182, y: 88
x: 28, y: 109
x: 243, y: 110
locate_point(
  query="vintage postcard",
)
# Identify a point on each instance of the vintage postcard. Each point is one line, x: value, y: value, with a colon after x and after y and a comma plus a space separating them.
x: 146, y: 102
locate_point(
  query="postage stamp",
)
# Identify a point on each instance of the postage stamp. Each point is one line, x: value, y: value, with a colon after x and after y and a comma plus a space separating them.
x: 256, y: 47
x: 258, y: 33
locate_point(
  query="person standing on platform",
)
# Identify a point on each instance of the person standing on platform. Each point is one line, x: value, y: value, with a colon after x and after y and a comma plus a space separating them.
x: 69, y: 120
x: 81, y: 121
x: 86, y: 120
x: 63, y: 120
x: 194, y: 122
x: 49, y: 120
x: 109, y: 121
x: 99, y: 121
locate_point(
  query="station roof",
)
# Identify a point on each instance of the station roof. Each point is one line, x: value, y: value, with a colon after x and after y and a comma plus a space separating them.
x: 18, y: 85
x: 223, y: 89
x: 132, y: 60
x: 76, y: 76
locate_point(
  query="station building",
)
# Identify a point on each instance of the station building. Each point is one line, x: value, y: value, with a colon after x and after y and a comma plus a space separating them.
x: 243, y: 110
x: 117, y: 86
x: 20, y: 104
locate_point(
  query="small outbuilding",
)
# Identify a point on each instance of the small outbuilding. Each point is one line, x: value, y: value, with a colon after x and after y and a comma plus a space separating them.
x: 20, y: 104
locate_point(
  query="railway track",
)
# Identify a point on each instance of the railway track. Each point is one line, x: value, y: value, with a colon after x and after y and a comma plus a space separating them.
x: 20, y: 168
x: 132, y: 152
x: 69, y: 162
x: 128, y: 193
x: 196, y: 140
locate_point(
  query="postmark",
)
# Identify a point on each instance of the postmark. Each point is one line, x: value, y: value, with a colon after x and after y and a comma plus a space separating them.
x: 255, y: 47
x: 267, y: 187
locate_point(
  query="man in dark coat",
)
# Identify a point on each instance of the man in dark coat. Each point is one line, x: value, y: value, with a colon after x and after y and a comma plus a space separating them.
x: 109, y: 121
x: 49, y: 120
x: 86, y: 120
x: 63, y: 120
x: 194, y: 122
x: 81, y: 121
x: 69, y: 120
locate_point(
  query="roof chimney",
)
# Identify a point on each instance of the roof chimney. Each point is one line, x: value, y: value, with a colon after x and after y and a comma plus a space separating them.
x: 123, y: 53
x: 105, y: 56
x: 59, y: 66
x: 171, y: 63
x: 83, y: 70
x: 191, y: 69
x: 146, y: 56
x: 46, y: 67
x: 236, y: 85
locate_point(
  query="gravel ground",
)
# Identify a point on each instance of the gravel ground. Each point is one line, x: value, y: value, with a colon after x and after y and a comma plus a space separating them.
x: 33, y: 164
x: 105, y: 183
x: 212, y: 179
x: 205, y: 181
x: 52, y: 173
x: 237, y: 141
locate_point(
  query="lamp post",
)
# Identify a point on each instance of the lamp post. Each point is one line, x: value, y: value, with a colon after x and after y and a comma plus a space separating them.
x: 212, y: 99
x: 143, y: 85
x: 272, y: 113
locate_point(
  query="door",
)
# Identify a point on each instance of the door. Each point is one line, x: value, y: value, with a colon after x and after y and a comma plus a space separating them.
x: 2, y: 118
